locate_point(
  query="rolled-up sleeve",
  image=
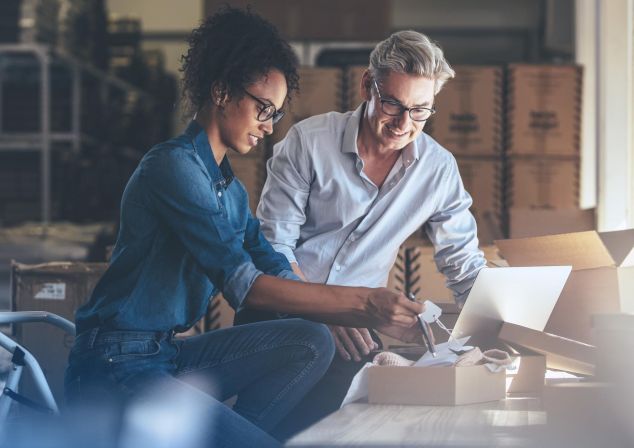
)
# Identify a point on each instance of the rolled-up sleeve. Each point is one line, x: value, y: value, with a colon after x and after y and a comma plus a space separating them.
x: 453, y: 232
x: 181, y: 193
x: 263, y: 255
x: 283, y: 202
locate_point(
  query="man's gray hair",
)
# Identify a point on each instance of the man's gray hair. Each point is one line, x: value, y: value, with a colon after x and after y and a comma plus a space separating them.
x: 412, y: 53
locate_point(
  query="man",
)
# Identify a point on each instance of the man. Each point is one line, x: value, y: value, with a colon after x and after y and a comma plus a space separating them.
x: 344, y: 191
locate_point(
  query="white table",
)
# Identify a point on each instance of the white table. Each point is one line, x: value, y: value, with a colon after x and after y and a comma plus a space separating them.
x: 511, y: 422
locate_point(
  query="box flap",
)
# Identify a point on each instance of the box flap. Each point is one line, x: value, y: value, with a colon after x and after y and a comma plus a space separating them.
x: 561, y: 353
x: 620, y: 244
x: 582, y: 250
x: 58, y: 268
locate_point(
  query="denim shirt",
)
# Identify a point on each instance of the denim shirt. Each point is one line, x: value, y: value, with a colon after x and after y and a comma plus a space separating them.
x: 186, y: 233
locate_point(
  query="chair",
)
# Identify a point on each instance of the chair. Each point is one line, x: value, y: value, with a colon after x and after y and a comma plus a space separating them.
x: 21, y: 358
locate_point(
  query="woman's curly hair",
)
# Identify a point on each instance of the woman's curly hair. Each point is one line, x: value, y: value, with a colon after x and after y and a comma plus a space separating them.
x: 234, y: 48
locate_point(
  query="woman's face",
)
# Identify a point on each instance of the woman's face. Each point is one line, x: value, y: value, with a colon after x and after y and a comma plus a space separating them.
x: 240, y: 128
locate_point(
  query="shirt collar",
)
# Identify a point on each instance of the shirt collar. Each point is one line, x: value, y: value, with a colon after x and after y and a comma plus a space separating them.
x: 351, y: 133
x: 411, y: 152
x: 203, y: 149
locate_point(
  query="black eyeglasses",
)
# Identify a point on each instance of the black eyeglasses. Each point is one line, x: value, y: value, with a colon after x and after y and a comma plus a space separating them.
x: 396, y: 109
x: 267, y: 111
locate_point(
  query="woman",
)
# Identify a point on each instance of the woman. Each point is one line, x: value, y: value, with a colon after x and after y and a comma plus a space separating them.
x: 186, y: 234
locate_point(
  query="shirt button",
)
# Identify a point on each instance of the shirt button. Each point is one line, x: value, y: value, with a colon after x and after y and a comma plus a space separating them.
x: 337, y: 268
x: 220, y: 194
x: 352, y: 238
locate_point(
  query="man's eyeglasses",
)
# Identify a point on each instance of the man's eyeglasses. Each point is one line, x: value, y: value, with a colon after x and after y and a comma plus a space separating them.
x: 396, y: 109
x: 267, y: 111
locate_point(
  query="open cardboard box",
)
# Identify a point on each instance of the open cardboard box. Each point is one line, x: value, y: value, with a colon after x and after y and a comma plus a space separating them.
x: 602, y: 278
x: 529, y: 372
x: 434, y: 386
x: 561, y: 353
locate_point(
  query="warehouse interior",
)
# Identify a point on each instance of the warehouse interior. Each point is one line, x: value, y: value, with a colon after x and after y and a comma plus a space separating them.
x: 540, y: 119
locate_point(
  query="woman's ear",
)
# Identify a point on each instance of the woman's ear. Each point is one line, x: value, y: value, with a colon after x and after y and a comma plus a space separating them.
x: 219, y: 95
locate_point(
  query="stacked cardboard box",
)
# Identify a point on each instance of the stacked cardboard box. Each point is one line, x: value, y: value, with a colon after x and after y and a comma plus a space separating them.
x: 58, y: 288
x: 250, y: 169
x: 353, y: 77
x: 468, y: 123
x: 307, y: 20
x: 543, y: 142
x: 320, y: 91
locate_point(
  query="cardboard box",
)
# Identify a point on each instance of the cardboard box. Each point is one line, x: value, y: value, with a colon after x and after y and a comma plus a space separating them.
x: 542, y: 183
x: 357, y: 20
x: 250, y: 169
x: 543, y: 109
x: 561, y: 353
x: 58, y: 288
x: 320, y: 91
x: 353, y: 76
x: 482, y: 178
x: 528, y: 374
x: 614, y: 336
x: 525, y: 222
x: 435, y: 386
x: 468, y: 119
x: 415, y: 270
x: 601, y: 281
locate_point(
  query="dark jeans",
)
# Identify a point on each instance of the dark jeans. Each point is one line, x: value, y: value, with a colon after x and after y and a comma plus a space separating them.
x: 325, y: 397
x: 270, y: 366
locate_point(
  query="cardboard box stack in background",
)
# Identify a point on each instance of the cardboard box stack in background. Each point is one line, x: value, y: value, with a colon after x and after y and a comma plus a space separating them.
x: 468, y: 122
x: 320, y: 91
x: 251, y: 170
x: 353, y: 75
x: 543, y: 122
x: 58, y: 288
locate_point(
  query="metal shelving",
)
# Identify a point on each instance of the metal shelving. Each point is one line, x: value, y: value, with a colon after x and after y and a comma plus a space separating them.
x: 45, y: 139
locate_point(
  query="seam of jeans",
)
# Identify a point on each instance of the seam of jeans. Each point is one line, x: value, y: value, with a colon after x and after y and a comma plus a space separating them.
x: 242, y: 355
x: 289, y: 385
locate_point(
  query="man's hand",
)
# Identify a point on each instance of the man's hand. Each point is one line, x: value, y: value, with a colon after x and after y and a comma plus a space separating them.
x: 392, y: 308
x: 352, y: 343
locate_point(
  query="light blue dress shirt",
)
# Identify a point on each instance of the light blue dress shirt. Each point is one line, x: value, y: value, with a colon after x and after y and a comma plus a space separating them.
x: 319, y: 209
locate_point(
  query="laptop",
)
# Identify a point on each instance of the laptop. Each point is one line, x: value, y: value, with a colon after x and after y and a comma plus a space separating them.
x: 523, y: 296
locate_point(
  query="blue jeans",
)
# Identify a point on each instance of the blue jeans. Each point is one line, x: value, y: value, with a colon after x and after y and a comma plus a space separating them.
x: 270, y: 366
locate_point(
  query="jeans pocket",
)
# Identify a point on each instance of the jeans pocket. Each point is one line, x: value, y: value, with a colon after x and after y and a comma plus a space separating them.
x: 130, y: 350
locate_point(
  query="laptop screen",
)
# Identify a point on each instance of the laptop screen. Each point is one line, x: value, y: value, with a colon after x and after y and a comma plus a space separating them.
x: 523, y: 296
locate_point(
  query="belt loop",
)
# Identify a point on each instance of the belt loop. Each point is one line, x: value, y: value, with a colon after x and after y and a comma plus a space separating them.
x: 93, y: 336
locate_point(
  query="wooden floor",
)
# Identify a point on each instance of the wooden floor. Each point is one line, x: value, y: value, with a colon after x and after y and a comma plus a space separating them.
x: 510, y: 422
